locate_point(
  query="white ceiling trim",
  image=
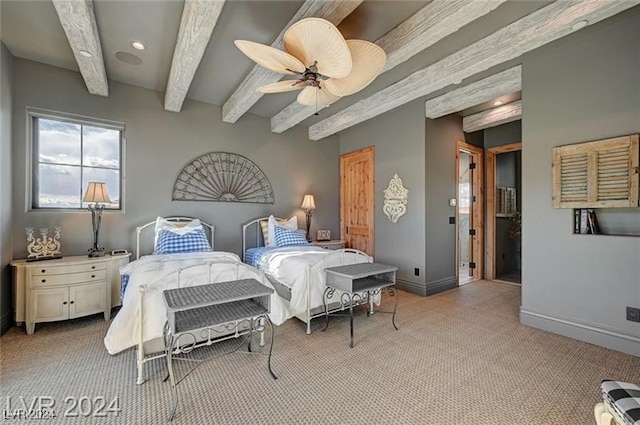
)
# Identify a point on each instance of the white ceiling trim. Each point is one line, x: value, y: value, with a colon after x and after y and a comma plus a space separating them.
x: 423, y: 29
x: 246, y: 95
x: 493, y: 117
x: 199, y: 18
x: 541, y: 27
x: 500, y: 84
x: 79, y: 23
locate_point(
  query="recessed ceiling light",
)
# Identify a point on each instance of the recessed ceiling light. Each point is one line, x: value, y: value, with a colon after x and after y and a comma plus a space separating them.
x: 85, y: 53
x: 497, y: 103
x: 578, y: 25
x: 138, y: 45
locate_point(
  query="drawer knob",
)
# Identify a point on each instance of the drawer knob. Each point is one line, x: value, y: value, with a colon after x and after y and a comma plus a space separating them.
x: 92, y: 276
x: 44, y: 280
x: 43, y: 271
x: 93, y: 267
x: 71, y: 302
x: 64, y: 303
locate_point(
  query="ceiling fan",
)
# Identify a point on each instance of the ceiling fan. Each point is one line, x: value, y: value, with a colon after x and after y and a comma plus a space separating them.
x: 327, y: 66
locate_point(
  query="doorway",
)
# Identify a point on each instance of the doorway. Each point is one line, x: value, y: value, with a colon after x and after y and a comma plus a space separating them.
x: 469, y: 213
x: 504, y: 204
x: 357, y: 199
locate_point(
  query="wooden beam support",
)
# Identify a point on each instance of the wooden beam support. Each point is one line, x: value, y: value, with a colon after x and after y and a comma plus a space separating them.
x: 432, y: 23
x: 540, y: 27
x: 199, y: 18
x: 493, y: 117
x: 246, y: 95
x: 79, y: 23
x: 500, y: 84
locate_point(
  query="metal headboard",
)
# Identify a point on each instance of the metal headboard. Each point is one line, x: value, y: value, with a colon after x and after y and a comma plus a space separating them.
x: 209, y: 230
x: 257, y: 240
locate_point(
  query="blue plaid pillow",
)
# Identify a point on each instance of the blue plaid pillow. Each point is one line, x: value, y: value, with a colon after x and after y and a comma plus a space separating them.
x: 288, y: 237
x: 172, y: 243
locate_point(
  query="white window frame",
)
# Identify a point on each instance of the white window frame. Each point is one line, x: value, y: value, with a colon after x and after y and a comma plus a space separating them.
x: 35, y: 113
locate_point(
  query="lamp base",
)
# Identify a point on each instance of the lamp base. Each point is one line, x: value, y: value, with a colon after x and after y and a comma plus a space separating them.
x: 96, y: 252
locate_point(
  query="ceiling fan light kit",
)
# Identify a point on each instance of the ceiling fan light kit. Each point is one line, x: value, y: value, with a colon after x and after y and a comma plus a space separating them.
x: 328, y: 66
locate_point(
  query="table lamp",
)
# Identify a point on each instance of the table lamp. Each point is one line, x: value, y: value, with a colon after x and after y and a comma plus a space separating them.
x: 96, y: 193
x: 308, y: 205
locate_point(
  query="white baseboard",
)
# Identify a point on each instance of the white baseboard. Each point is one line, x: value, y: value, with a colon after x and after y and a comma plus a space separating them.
x: 603, y: 337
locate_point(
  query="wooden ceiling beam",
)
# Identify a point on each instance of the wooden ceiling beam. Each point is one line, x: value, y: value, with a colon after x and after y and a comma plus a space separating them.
x: 199, y: 18
x: 79, y: 23
x: 493, y: 117
x: 506, y: 82
x: 534, y: 30
x: 432, y: 23
x: 246, y: 95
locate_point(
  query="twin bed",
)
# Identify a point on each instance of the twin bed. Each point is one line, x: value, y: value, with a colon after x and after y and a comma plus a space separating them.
x: 296, y: 268
x: 183, y: 255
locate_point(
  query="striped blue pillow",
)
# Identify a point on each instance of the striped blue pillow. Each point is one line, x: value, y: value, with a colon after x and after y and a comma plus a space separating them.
x: 288, y: 237
x: 172, y: 243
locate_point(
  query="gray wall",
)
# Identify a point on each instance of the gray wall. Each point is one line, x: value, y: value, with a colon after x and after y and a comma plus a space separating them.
x: 6, y: 248
x: 580, y: 88
x: 440, y: 161
x: 504, y: 134
x: 398, y: 137
x: 158, y: 145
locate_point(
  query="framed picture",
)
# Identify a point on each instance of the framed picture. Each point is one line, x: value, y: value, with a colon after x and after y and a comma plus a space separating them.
x: 323, y: 235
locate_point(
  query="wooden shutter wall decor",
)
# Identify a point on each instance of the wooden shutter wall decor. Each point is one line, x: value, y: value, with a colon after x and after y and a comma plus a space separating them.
x: 599, y: 174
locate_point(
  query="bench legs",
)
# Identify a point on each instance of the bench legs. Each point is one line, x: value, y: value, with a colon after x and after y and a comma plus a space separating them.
x: 602, y: 416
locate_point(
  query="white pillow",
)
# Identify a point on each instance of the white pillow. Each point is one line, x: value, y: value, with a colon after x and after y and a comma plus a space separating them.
x: 291, y: 224
x: 177, y: 227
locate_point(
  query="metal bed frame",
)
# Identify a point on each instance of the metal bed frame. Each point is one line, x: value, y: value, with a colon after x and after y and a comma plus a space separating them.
x: 311, y: 311
x: 143, y: 357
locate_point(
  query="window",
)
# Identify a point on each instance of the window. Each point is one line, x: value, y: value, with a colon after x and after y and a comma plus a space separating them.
x: 67, y: 154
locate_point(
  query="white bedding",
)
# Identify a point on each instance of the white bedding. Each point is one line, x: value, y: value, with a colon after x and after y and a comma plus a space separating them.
x: 155, y: 272
x: 293, y: 265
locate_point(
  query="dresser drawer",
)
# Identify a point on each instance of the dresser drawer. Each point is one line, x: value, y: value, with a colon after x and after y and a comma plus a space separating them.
x: 75, y: 268
x: 69, y: 278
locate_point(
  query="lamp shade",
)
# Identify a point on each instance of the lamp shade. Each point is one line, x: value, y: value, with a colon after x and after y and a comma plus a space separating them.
x: 308, y: 203
x: 97, y: 192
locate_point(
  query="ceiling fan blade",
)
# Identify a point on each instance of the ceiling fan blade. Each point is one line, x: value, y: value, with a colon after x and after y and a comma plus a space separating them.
x: 314, y: 96
x: 271, y: 58
x: 368, y: 60
x: 282, y: 86
x: 318, y: 40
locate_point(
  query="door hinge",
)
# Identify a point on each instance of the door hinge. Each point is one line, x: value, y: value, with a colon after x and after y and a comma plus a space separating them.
x: 347, y: 230
x: 472, y: 165
x: 472, y: 265
x: 473, y: 198
x: 472, y: 232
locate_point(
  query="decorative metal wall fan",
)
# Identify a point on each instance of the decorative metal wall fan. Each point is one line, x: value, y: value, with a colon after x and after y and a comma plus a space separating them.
x: 328, y: 66
x: 222, y: 177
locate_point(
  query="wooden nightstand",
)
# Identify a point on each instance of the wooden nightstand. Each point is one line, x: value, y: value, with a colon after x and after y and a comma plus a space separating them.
x: 332, y: 244
x: 66, y: 288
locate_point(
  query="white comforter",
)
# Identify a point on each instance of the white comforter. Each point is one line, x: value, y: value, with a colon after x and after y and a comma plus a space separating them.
x: 157, y: 273
x: 292, y: 266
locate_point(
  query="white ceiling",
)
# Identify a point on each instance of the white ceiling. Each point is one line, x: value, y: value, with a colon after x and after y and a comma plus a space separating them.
x: 32, y: 29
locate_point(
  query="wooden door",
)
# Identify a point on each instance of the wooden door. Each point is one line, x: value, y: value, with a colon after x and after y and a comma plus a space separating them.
x: 357, y: 199
x: 472, y: 210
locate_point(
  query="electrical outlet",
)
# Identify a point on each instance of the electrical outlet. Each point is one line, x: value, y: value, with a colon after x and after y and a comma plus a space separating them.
x: 416, y: 271
x: 633, y: 314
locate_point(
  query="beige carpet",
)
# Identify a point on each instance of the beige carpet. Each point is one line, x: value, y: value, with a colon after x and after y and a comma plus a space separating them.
x: 459, y: 357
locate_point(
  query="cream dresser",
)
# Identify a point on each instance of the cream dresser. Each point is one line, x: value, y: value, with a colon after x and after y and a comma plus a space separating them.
x: 66, y: 288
